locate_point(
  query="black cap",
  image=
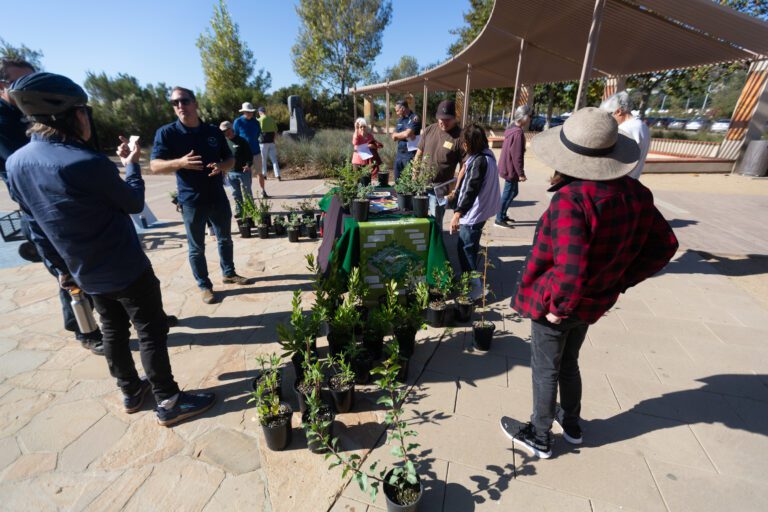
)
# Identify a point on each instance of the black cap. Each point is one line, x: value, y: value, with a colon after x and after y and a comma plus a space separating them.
x: 446, y: 110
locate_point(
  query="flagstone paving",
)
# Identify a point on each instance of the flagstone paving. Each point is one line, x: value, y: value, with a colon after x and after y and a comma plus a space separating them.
x: 675, y: 384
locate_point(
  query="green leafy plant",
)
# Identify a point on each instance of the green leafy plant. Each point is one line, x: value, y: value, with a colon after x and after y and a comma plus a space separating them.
x: 248, y: 208
x: 443, y: 279
x: 269, y: 367
x: 345, y: 181
x: 307, y: 207
x: 344, y: 376
x: 403, y: 476
x: 358, y: 288
x: 300, y: 333
x: 464, y: 286
x: 294, y: 221
x: 422, y: 174
x: 363, y: 191
x: 267, y: 402
x: 262, y: 206
x: 405, y: 184
x: 313, y: 375
x: 344, y: 320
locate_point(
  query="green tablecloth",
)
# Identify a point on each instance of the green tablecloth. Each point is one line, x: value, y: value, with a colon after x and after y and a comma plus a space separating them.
x: 384, y: 247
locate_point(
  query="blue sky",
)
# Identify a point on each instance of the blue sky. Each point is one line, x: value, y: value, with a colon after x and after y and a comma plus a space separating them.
x: 154, y: 40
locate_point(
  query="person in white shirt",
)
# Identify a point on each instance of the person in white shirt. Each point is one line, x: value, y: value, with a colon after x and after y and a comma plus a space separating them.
x: 620, y: 106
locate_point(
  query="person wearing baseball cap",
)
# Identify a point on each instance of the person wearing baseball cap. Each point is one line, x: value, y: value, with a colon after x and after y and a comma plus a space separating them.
x: 249, y: 128
x: 239, y: 178
x: 600, y: 235
x: 440, y: 142
x: 81, y: 208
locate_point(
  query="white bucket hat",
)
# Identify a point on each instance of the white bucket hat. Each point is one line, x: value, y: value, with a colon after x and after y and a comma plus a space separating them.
x: 247, y: 107
x: 588, y: 146
x: 225, y: 125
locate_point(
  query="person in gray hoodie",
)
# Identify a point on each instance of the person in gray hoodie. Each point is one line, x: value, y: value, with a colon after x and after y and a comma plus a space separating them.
x: 478, y: 199
x: 512, y: 162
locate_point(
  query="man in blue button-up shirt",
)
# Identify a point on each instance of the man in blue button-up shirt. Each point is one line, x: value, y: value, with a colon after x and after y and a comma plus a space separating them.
x: 407, y: 127
x: 199, y: 155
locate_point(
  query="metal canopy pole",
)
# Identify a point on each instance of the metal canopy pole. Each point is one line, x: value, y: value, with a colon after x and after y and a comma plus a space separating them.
x: 589, y: 54
x: 466, y: 98
x: 354, y: 105
x: 424, y: 107
x: 517, y: 75
x: 386, y: 115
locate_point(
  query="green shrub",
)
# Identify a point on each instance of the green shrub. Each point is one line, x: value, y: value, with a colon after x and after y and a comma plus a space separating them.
x: 685, y: 135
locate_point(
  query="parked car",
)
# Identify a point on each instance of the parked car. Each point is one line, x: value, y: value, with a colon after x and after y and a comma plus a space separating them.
x: 662, y: 122
x: 720, y: 126
x: 676, y: 124
x: 539, y: 122
x: 697, y: 123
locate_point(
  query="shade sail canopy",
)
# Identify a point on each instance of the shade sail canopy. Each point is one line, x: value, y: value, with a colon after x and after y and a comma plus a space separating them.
x: 637, y: 36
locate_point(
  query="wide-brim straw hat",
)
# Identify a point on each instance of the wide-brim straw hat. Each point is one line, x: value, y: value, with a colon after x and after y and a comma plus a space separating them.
x: 588, y: 146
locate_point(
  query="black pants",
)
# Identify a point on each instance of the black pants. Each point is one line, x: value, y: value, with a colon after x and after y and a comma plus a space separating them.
x: 555, y: 361
x: 141, y: 304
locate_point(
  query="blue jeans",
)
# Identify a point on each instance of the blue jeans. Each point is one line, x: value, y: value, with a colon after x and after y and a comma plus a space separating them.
x: 239, y: 181
x: 555, y: 362
x: 401, y: 160
x: 510, y: 192
x: 436, y: 210
x: 220, y: 217
x: 469, y: 245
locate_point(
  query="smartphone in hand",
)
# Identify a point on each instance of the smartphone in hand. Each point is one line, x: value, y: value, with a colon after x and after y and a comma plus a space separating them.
x: 132, y: 141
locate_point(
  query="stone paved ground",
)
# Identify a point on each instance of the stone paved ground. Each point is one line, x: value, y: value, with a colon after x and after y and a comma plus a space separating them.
x: 675, y: 376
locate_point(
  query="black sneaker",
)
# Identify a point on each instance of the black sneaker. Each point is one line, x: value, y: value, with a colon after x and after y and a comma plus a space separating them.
x: 571, y: 433
x: 502, y: 224
x: 187, y: 405
x: 173, y: 320
x: 132, y: 403
x: 525, y: 437
x: 92, y: 342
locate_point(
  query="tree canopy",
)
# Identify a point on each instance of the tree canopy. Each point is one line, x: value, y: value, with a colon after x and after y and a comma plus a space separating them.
x: 338, y: 41
x: 8, y: 51
x: 408, y: 66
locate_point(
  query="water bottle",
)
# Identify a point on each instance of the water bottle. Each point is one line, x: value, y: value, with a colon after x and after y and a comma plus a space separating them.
x: 86, y: 323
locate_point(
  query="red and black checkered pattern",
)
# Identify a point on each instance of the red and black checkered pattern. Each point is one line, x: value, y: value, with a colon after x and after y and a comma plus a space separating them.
x: 596, y: 239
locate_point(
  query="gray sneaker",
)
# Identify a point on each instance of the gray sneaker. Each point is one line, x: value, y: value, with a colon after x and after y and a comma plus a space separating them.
x: 208, y: 296
x: 235, y: 279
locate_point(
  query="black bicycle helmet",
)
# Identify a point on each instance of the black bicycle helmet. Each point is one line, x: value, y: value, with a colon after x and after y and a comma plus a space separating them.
x: 43, y: 95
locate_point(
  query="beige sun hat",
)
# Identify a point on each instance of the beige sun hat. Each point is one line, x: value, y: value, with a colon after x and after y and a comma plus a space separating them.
x: 588, y: 146
x: 247, y: 107
x: 225, y: 125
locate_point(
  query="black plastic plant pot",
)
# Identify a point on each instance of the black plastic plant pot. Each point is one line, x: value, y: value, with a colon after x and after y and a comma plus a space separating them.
x: 326, y: 414
x: 365, y: 180
x: 406, y: 339
x: 344, y: 398
x: 300, y: 396
x: 337, y: 342
x: 279, y: 229
x: 420, y: 206
x: 293, y: 235
x: 278, y: 431
x: 245, y: 231
x: 463, y: 310
x: 402, y: 373
x: 312, y: 231
x: 483, y: 335
x: 255, y: 382
x: 374, y: 344
x: 266, y: 219
x: 362, y: 366
x: 405, y: 202
x: 263, y: 231
x: 383, y: 178
x: 360, y: 209
x: 436, y: 314
x: 413, y: 493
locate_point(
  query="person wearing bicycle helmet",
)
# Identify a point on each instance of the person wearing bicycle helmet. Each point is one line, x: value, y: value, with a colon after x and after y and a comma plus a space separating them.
x: 81, y: 208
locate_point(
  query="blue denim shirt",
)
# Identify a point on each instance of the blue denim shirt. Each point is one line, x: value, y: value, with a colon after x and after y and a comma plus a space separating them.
x: 250, y: 130
x: 78, y: 207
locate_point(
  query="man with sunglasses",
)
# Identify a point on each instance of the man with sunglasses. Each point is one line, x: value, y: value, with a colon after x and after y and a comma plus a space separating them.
x: 199, y: 155
x: 80, y: 210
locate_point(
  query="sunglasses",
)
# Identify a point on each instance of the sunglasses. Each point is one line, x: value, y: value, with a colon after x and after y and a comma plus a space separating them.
x: 181, y: 101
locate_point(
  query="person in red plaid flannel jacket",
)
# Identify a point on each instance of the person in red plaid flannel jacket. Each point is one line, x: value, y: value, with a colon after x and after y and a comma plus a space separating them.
x: 600, y: 236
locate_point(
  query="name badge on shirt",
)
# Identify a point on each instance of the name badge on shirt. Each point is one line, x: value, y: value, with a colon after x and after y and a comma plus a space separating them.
x: 448, y: 145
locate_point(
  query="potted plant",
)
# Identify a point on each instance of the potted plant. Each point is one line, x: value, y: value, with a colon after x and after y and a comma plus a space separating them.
x: 294, y: 227
x: 310, y: 382
x: 361, y: 362
x: 341, y: 383
x: 262, y: 216
x: 482, y: 330
x: 342, y: 324
x: 269, y: 366
x: 375, y: 328
x: 299, y: 336
x: 365, y: 176
x: 280, y: 224
x: 317, y: 422
x: 247, y: 213
x: 307, y: 208
x: 401, y: 483
x: 404, y: 189
x: 464, y: 304
x: 422, y: 174
x: 311, y: 226
x: 383, y: 177
x: 408, y: 317
x: 361, y: 204
x: 438, y: 308
x: 345, y: 181
x: 274, y: 416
